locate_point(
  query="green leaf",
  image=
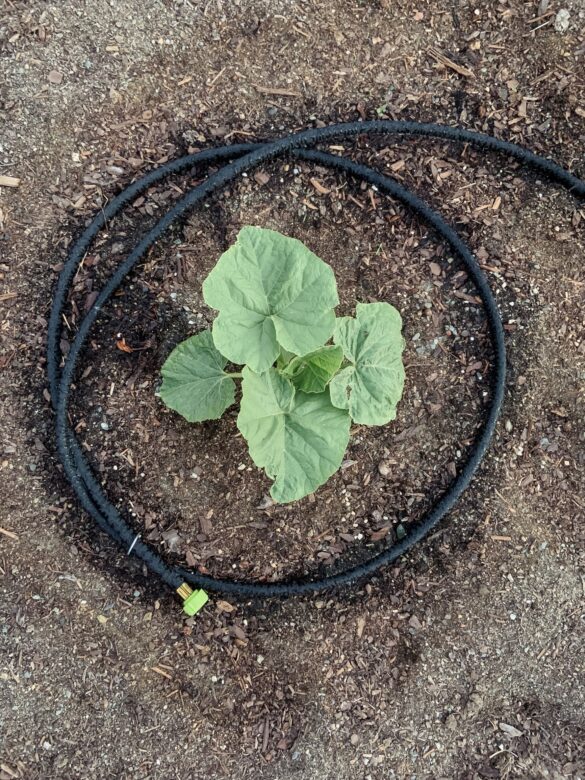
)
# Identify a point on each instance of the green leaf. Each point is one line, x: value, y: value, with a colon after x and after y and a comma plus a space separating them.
x: 298, y: 438
x: 372, y: 385
x: 271, y: 292
x: 194, y: 382
x: 311, y: 373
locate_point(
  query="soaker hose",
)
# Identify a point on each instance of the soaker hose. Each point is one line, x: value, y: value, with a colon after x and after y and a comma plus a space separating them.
x: 244, y: 158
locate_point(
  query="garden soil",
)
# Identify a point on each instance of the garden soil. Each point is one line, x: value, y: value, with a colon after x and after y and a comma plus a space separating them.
x: 464, y: 659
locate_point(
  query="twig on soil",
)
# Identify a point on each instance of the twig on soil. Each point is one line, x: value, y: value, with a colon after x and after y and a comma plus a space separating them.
x: 162, y: 672
x: 541, y: 17
x: 276, y: 91
x: 540, y: 26
x: 449, y: 63
x: 9, y: 534
x: 507, y: 503
x: 217, y: 76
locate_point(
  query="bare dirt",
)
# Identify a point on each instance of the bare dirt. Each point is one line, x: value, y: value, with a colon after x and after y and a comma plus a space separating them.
x: 464, y: 660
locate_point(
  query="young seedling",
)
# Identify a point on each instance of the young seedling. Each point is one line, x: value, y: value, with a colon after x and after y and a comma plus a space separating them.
x: 276, y: 317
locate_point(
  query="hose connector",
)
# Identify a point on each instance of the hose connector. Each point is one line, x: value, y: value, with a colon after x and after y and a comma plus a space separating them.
x: 193, y: 600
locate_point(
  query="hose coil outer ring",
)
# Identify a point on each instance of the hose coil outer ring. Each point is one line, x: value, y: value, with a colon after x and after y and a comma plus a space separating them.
x: 246, y: 157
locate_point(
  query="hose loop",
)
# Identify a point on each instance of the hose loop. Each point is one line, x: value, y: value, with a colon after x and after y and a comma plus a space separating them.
x: 244, y: 158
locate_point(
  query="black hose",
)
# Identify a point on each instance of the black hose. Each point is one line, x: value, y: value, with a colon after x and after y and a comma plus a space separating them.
x: 248, y: 156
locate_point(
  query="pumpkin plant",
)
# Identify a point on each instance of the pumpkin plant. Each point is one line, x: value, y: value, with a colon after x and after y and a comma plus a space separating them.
x: 299, y: 393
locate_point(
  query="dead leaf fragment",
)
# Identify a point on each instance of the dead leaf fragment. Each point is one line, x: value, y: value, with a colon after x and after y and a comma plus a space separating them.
x: 121, y: 344
x: 172, y: 538
x: 415, y: 623
x: 511, y: 731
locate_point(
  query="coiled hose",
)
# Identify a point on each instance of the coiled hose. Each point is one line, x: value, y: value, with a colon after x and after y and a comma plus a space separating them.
x: 244, y: 158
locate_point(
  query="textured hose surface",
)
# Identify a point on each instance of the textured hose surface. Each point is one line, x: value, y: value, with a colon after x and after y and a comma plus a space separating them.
x: 244, y: 158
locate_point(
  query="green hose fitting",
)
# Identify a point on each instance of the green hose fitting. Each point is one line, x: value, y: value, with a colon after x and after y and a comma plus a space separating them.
x: 193, y: 600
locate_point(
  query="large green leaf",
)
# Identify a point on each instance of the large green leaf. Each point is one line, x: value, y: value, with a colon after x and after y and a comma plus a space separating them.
x: 311, y: 373
x: 194, y: 382
x: 270, y: 290
x: 372, y: 385
x: 298, y: 438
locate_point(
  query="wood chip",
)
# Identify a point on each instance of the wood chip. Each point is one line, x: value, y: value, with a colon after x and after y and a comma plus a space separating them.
x: 9, y: 181
x: 266, y: 735
x: 449, y: 63
x: 381, y: 533
x: 319, y: 187
x: 261, y: 177
x: 474, y: 299
x: 9, y: 534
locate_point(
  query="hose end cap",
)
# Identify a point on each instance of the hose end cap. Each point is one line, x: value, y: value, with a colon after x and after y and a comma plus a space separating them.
x: 193, y: 600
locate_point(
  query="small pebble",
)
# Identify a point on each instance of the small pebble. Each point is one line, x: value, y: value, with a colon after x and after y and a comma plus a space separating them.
x: 266, y: 503
x: 384, y: 468
x: 451, y: 722
x: 562, y: 21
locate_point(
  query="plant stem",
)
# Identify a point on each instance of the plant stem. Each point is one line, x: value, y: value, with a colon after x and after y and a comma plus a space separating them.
x: 283, y: 358
x: 235, y: 375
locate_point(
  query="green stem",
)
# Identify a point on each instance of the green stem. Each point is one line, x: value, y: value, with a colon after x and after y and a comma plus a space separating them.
x: 235, y: 375
x: 283, y: 358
